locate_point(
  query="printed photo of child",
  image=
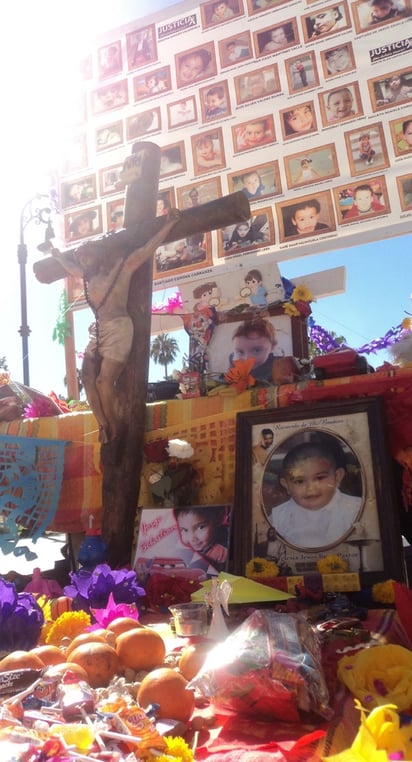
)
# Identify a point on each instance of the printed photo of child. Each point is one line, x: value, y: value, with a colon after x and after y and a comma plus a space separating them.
x: 366, y: 148
x: 310, y: 166
x: 205, y: 531
x: 233, y: 50
x: 299, y: 120
x: 308, y: 216
x: 257, y: 84
x: 253, y: 134
x: 369, y: 14
x: 208, y: 151
x: 340, y: 104
x: 338, y: 60
x: 257, y: 182
x: 195, y: 65
x: 214, y: 101
x: 326, y: 21
x: 247, y: 235
x: 401, y: 132
x: 364, y: 203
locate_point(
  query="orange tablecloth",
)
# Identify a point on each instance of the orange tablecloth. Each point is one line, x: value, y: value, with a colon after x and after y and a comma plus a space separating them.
x: 209, y: 423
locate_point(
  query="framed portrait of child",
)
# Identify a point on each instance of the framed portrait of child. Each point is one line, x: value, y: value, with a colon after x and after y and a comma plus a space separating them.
x: 350, y: 520
x: 143, y: 124
x: 310, y: 215
x: 114, y: 95
x: 195, y: 64
x: 341, y: 103
x: 258, y: 6
x: 109, y: 60
x: 218, y: 11
x: 302, y: 72
x: 401, y: 134
x: 338, y: 60
x: 404, y: 184
x: 257, y: 182
x: 77, y: 191
x: 366, y: 149
x: 208, y: 151
x: 311, y: 166
x: 298, y: 120
x: 201, y: 192
x: 248, y: 235
x: 151, y: 84
x: 326, y: 21
x: 257, y: 84
x: 235, y: 50
x: 181, y: 112
x: 141, y: 47
x: 276, y: 38
x: 362, y: 201
x: 173, y: 159
x: 369, y: 15
x: 109, y: 179
x: 215, y: 101
x: 165, y: 201
x: 256, y: 132
x: 391, y: 90
x: 83, y: 223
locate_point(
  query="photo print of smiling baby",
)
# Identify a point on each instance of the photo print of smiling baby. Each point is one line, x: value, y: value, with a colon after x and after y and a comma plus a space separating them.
x: 307, y: 216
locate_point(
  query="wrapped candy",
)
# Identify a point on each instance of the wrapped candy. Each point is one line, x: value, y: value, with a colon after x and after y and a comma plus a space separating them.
x: 269, y: 666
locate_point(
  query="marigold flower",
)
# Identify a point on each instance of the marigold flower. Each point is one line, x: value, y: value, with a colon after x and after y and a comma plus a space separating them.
x: 261, y: 567
x: 240, y: 375
x: 176, y: 749
x: 383, y: 592
x: 332, y: 564
x: 68, y: 625
x: 407, y: 324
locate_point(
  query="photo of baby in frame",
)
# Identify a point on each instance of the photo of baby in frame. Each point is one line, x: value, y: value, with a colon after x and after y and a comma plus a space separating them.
x: 315, y: 165
x: 143, y: 124
x: 186, y: 255
x: 152, y: 83
x: 394, y: 88
x: 208, y: 151
x: 256, y: 182
x: 310, y: 215
x: 401, y: 133
x: 326, y: 21
x: 301, y: 72
x: 370, y: 14
x: 198, y: 193
x: 214, y: 101
x: 141, y: 47
x: 254, y: 133
x: 195, y: 64
x: 173, y: 159
x: 366, y: 148
x: 346, y: 440
x: 247, y: 235
x: 115, y: 215
x: 404, y: 184
x: 257, y: 84
x: 299, y: 120
x: 274, y: 39
x: 340, y: 104
x: 219, y: 11
x: 363, y: 200
x: 183, y: 111
x: 235, y: 50
x: 338, y: 60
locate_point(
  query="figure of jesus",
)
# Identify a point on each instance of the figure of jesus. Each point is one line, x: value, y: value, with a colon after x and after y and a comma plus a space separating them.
x: 107, y: 282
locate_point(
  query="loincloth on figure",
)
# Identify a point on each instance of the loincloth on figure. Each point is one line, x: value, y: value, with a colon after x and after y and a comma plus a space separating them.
x: 114, y: 340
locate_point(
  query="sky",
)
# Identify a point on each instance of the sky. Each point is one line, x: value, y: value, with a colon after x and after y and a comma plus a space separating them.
x: 378, y: 275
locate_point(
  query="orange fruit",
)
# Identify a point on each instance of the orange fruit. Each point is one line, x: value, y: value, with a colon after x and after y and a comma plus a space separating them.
x: 49, y: 654
x: 84, y: 637
x: 122, y: 624
x: 192, y: 659
x: 166, y: 687
x: 98, y: 659
x: 59, y: 605
x: 58, y: 670
x: 140, y: 648
x: 20, y: 660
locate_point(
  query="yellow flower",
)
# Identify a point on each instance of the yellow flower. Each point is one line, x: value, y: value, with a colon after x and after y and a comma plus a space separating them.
x: 68, y: 625
x: 332, y: 565
x: 383, y: 592
x: 261, y: 567
x: 177, y: 750
x: 290, y: 310
x: 301, y: 293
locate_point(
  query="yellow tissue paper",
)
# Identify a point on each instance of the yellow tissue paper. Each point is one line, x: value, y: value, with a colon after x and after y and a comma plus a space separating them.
x: 379, y: 675
x: 244, y: 590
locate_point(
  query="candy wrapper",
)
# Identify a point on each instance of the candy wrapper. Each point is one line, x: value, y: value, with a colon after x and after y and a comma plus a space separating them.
x: 268, y: 667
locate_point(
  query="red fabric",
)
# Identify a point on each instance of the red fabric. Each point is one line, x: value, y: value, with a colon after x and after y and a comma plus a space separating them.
x: 403, y: 603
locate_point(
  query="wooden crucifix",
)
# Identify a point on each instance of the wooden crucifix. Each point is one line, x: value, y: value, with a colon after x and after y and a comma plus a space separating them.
x: 122, y: 454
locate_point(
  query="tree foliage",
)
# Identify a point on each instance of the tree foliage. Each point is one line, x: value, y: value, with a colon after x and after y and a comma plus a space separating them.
x: 164, y: 350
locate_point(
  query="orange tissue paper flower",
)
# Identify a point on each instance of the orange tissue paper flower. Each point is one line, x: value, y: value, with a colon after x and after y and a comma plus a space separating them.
x: 239, y: 375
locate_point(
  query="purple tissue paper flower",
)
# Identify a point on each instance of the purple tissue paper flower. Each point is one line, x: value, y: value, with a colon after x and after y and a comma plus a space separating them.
x: 21, y: 619
x: 91, y: 589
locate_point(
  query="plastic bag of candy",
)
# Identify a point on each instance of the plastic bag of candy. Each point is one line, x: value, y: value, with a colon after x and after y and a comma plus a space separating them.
x: 269, y: 667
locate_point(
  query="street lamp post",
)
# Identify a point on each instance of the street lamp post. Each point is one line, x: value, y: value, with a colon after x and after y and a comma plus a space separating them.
x: 31, y: 211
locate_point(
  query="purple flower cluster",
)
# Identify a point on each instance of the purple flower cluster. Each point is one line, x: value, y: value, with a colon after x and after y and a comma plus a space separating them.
x: 21, y: 619
x: 90, y: 589
x: 324, y: 342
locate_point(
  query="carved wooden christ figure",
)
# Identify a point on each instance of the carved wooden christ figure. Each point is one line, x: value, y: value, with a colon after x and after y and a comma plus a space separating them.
x: 106, y: 285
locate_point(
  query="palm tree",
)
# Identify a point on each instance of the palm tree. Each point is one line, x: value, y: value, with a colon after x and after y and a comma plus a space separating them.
x: 163, y: 350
